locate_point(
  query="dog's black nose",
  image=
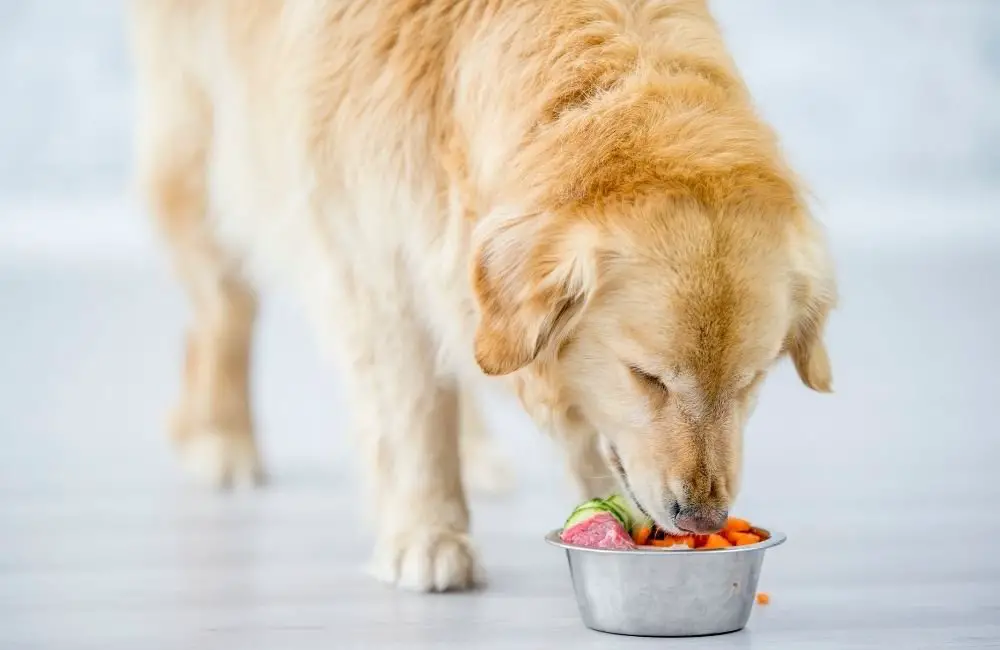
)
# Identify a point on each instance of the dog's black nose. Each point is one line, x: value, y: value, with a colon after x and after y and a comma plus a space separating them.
x: 701, y: 521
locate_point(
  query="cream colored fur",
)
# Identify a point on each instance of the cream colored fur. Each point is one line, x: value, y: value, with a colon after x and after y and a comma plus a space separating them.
x: 575, y: 195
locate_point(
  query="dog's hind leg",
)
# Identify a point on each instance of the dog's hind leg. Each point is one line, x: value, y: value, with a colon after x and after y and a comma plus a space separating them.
x: 212, y: 428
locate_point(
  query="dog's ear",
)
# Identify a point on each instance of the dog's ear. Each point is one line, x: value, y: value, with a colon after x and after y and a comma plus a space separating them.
x: 807, y: 348
x: 815, y: 295
x: 532, y: 276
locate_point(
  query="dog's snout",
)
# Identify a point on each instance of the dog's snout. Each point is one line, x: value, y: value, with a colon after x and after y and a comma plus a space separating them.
x: 701, y: 521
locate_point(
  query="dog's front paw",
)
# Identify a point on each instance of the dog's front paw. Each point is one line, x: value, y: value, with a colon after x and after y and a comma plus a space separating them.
x: 427, y: 560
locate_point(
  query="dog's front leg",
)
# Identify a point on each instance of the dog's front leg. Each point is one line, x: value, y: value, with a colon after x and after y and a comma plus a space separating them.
x: 407, y: 418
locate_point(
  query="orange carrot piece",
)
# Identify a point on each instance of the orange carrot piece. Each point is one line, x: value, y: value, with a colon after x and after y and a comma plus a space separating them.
x: 641, y: 536
x: 716, y: 541
x: 763, y: 598
x: 687, y: 540
x: 736, y: 525
x: 743, y: 539
x: 663, y: 543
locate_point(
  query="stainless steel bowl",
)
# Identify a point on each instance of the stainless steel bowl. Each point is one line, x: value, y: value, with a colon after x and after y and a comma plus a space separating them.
x: 660, y: 592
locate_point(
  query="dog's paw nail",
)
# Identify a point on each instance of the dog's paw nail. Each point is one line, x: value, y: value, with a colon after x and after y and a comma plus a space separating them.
x: 440, y: 560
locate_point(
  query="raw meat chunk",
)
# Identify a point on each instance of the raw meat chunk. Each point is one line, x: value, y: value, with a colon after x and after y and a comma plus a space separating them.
x: 602, y: 530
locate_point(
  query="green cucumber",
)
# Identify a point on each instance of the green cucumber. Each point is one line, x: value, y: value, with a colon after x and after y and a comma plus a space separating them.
x: 580, y: 514
x: 615, y: 505
x: 621, y: 509
x: 585, y: 511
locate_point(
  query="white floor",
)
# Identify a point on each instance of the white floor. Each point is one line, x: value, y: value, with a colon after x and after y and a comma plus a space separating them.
x: 887, y: 490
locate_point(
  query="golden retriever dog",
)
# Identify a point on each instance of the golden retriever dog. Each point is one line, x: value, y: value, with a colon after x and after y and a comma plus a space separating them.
x: 574, y: 195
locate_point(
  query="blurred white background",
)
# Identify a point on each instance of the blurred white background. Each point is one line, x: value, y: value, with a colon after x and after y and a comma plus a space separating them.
x: 890, y: 109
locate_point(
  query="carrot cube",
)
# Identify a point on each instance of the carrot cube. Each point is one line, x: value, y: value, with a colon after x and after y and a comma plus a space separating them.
x: 743, y: 539
x: 736, y: 525
x: 716, y: 541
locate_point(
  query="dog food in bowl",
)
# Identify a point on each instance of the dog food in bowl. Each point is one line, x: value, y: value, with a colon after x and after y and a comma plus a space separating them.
x: 609, y: 523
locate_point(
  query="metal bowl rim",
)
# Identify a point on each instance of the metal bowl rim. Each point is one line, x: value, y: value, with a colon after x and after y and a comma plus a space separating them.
x: 774, y: 538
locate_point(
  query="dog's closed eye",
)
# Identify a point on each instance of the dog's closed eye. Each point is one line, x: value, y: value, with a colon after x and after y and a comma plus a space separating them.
x: 648, y: 378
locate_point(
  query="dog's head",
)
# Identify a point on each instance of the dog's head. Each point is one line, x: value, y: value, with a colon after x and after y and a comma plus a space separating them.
x: 661, y: 321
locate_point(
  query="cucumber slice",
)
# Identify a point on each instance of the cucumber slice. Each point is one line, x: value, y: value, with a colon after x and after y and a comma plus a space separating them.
x: 585, y: 511
x: 615, y: 505
x: 620, y: 508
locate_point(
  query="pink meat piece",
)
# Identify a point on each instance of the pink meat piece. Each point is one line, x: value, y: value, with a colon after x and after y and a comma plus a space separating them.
x: 602, y: 530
